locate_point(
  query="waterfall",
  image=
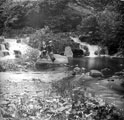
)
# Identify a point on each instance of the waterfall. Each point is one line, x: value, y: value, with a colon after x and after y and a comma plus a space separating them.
x: 2, y: 47
x: 92, y: 48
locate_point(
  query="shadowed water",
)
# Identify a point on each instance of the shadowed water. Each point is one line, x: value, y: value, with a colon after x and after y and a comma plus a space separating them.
x: 99, y: 63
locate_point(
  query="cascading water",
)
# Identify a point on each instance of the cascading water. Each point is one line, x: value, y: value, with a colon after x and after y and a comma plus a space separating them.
x: 92, y: 48
x: 13, y: 46
x: 2, y: 47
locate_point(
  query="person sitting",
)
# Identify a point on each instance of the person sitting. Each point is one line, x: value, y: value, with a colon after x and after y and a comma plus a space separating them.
x: 43, y: 49
x: 50, y: 51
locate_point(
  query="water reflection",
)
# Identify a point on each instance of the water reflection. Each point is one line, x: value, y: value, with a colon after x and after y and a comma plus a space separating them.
x: 98, y: 63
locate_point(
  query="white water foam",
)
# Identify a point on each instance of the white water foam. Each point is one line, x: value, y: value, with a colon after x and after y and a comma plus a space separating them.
x: 92, y: 48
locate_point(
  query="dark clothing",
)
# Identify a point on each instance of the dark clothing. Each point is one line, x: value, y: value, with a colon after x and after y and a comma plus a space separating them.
x: 50, y: 48
x: 51, y: 56
x: 47, y: 50
x: 44, y: 54
x: 50, y: 52
x: 43, y: 49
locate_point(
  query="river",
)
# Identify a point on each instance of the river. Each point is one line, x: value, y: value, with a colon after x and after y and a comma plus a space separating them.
x: 99, y: 63
x: 36, y: 83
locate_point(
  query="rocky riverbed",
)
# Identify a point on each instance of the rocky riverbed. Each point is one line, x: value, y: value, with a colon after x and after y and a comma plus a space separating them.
x: 44, y: 95
x: 58, y: 92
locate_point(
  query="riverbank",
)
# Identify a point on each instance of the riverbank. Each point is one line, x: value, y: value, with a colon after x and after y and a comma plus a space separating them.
x: 60, y: 95
x: 54, y: 93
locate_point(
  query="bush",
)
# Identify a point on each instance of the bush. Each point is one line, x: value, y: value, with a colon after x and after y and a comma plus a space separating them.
x: 60, y: 40
x: 85, y: 105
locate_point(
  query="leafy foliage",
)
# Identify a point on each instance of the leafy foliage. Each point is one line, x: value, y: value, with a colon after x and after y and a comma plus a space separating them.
x: 100, y: 20
x: 50, y: 105
x: 120, y: 34
x: 60, y: 40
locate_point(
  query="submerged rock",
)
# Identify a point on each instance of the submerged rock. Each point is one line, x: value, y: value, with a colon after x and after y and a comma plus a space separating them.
x: 96, y: 73
x: 120, y: 73
x: 106, y: 71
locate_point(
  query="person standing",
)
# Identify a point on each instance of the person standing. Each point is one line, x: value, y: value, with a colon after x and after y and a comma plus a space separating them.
x: 50, y: 51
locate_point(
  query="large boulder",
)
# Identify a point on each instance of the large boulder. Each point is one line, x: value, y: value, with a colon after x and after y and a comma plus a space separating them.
x: 68, y: 51
x: 96, y: 73
x: 119, y: 54
x: 59, y: 59
x: 103, y: 51
x: 77, y: 52
x: 121, y: 73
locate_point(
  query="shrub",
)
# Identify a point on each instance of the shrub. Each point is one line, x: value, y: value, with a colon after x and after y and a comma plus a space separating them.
x: 60, y: 40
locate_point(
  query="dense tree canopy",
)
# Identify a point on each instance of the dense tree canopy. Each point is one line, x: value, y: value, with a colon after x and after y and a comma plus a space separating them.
x: 101, y: 20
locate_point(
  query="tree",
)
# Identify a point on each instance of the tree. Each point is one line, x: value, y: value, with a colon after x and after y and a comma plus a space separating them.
x: 2, y: 19
x: 120, y: 33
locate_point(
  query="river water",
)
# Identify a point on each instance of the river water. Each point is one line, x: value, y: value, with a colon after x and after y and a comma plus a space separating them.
x: 99, y: 63
x: 111, y: 91
x: 35, y: 83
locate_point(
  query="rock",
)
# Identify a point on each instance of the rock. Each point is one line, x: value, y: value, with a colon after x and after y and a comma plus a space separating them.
x: 77, y: 70
x: 111, y: 80
x: 122, y: 84
x: 6, y: 53
x: 88, y: 73
x: 5, y: 102
x: 7, y: 46
x: 73, y: 73
x: 103, y: 51
x: 119, y: 54
x: 59, y: 59
x: 2, y: 47
x: 18, y: 41
x: 95, y: 73
x: 1, y: 54
x: 68, y: 52
x: 106, y: 71
x: 2, y: 69
x: 83, y: 70
x: 77, y: 52
x: 17, y: 53
x: 119, y: 73
x: 2, y: 39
